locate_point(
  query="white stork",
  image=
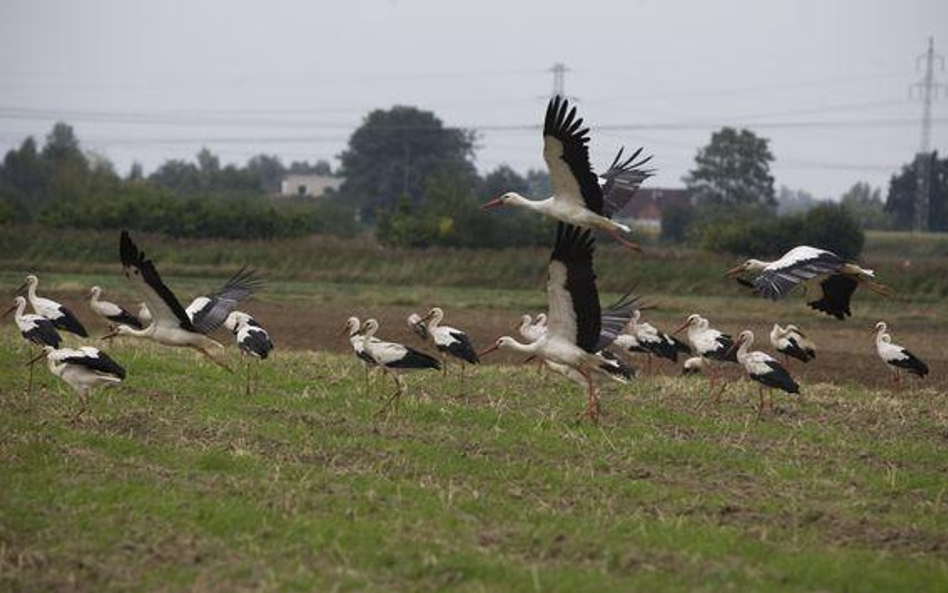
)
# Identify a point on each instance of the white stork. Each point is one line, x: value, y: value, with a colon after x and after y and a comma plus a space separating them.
x: 449, y: 341
x: 61, y: 317
x: 83, y: 369
x: 170, y: 325
x: 112, y: 313
x: 417, y: 326
x: 532, y: 329
x: 895, y: 356
x: 35, y: 329
x: 791, y: 342
x: 208, y: 312
x: 654, y: 342
x: 577, y: 330
x: 579, y: 197
x: 710, y: 344
x: 694, y: 366
x: 763, y: 368
x: 252, y: 339
x: 394, y: 358
x: 828, y: 280
x: 353, y: 329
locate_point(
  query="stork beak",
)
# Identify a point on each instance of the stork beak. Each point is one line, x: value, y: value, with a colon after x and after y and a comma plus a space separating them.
x: 680, y: 329
x: 8, y: 311
x: 20, y: 289
x: 734, y: 271
x: 487, y: 351
x: 33, y: 360
x: 343, y: 331
x: 528, y: 359
x: 109, y: 335
x: 496, y: 203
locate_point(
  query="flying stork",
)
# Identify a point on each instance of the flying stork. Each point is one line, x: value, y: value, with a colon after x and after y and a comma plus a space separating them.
x: 791, y: 342
x: 35, y: 329
x: 208, y: 312
x: 252, y: 339
x: 895, y: 356
x: 577, y: 330
x: 112, y: 313
x: 61, y: 317
x: 763, y: 368
x: 710, y: 344
x: 579, y: 197
x: 394, y: 358
x: 83, y: 369
x: 829, y: 281
x: 170, y: 325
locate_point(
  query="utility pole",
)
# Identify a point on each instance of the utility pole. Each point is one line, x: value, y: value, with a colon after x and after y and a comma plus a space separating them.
x: 928, y: 89
x: 559, y: 71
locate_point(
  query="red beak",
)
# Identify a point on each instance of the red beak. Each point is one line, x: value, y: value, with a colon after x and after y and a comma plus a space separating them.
x: 487, y: 351
x: 493, y: 204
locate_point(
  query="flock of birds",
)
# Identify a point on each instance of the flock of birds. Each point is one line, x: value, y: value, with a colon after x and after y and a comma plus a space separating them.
x: 576, y: 337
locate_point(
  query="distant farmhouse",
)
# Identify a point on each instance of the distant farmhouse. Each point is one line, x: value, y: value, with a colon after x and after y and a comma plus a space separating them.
x: 307, y: 185
x: 646, y: 206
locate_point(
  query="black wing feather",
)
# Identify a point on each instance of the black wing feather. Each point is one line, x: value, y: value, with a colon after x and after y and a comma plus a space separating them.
x: 614, y: 318
x: 69, y: 323
x: 44, y: 333
x: 774, y: 284
x: 837, y: 294
x: 101, y: 363
x: 574, y: 249
x: 414, y: 359
x: 911, y: 363
x: 462, y: 348
x: 133, y: 257
x: 622, y: 180
x: 126, y: 318
x: 777, y: 378
x: 224, y: 300
x: 561, y: 123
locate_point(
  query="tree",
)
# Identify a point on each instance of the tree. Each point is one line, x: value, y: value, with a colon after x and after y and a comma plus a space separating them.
x: 733, y: 170
x: 790, y: 201
x: 900, y: 201
x: 864, y: 202
x: 62, y: 146
x: 394, y: 151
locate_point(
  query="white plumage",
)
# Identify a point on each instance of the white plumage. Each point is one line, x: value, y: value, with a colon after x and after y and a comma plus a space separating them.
x: 791, y: 342
x: 83, y: 369
x: 112, y: 313
x: 393, y: 358
x: 895, y: 356
x: 763, y: 368
x: 61, y: 317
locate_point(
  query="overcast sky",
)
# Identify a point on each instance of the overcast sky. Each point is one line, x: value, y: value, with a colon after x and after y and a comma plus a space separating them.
x: 827, y: 81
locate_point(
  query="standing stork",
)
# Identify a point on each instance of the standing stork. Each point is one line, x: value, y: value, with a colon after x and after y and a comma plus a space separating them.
x: 61, y: 317
x: 449, y: 341
x: 353, y: 329
x: 579, y: 197
x: 654, y: 342
x: 170, y: 325
x: 791, y: 342
x: 394, y: 358
x: 35, y: 329
x: 828, y: 280
x: 112, y: 313
x: 208, y: 312
x: 252, y: 339
x: 895, y: 356
x: 576, y: 331
x: 710, y: 344
x: 83, y: 369
x: 763, y: 368
x: 417, y: 326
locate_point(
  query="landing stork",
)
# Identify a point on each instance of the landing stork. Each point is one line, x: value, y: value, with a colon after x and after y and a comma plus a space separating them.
x: 61, y: 317
x: 829, y: 281
x: 394, y: 358
x: 710, y: 344
x: 35, y: 329
x: 896, y: 357
x: 112, y: 313
x: 763, y: 368
x: 575, y: 330
x: 83, y: 369
x: 208, y: 312
x: 252, y: 339
x: 170, y: 325
x: 579, y: 197
x: 791, y: 342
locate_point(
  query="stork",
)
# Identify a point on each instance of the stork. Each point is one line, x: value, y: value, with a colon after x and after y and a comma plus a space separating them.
x: 35, y: 329
x: 532, y: 330
x: 252, y: 339
x: 710, y: 344
x: 829, y: 281
x: 417, y: 326
x: 394, y: 358
x: 61, y: 317
x: 353, y: 329
x: 576, y: 330
x: 791, y: 342
x: 170, y: 325
x: 83, y: 369
x: 112, y: 313
x: 694, y: 366
x: 762, y: 368
x: 208, y: 312
x: 651, y: 341
x: 895, y: 356
x: 579, y: 197
x: 449, y: 341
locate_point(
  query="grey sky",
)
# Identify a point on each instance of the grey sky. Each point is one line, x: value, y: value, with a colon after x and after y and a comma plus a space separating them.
x: 147, y: 80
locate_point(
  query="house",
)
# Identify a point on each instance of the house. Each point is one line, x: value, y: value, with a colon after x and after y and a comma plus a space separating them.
x: 646, y: 206
x: 308, y: 185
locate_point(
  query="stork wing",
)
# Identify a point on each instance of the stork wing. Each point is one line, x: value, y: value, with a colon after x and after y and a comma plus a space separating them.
x: 614, y: 318
x: 567, y: 157
x: 165, y: 308
x: 94, y: 360
x: 209, y: 312
x: 574, y: 314
x: 797, y: 265
x: 622, y: 180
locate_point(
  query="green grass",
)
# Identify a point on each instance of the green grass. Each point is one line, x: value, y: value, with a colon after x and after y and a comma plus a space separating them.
x: 179, y: 480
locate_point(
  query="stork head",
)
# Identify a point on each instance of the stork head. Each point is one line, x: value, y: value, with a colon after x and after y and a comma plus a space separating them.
x: 881, y: 327
x: 120, y: 330
x: 694, y: 320
x: 436, y: 314
x: 369, y: 327
x: 94, y: 292
x: 502, y: 342
x: 745, y: 337
x: 30, y: 282
x: 541, y: 319
x: 18, y: 302
x: 750, y: 265
x: 525, y: 321
x: 236, y: 319
x: 351, y: 327
x: 503, y: 200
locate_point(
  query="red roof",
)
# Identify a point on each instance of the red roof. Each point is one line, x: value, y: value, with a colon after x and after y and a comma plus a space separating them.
x: 648, y: 203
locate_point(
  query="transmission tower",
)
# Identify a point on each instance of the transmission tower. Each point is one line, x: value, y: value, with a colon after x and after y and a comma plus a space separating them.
x: 928, y: 89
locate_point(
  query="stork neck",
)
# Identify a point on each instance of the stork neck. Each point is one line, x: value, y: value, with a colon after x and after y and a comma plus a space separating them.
x: 530, y: 348
x: 31, y: 292
x: 525, y: 322
x: 537, y: 205
x: 146, y: 332
x: 20, y: 309
x: 54, y: 367
x: 435, y: 320
x: 742, y: 350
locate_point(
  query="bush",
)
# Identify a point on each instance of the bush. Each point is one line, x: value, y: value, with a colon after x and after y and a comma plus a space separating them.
x: 677, y: 219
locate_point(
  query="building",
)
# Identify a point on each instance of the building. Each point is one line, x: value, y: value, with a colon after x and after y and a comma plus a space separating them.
x: 308, y: 185
x: 646, y: 206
